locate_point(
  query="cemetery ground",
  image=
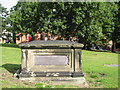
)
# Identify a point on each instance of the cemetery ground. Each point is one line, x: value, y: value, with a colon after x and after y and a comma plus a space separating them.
x: 97, y: 74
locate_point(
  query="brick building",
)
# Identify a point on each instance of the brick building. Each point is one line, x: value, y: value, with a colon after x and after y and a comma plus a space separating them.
x: 38, y: 36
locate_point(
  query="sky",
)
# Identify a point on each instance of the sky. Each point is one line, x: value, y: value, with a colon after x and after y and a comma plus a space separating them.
x: 8, y: 3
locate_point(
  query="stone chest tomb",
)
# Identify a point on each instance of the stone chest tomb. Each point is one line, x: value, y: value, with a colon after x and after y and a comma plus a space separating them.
x: 51, y: 59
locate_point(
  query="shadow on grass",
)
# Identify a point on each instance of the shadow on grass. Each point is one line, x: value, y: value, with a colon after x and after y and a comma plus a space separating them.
x: 12, y: 68
x: 10, y: 45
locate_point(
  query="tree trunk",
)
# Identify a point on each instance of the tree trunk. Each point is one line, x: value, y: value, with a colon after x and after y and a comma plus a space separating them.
x: 84, y: 46
x: 26, y: 38
x: 113, y: 46
x: 14, y: 38
x: 21, y: 39
x: 88, y: 46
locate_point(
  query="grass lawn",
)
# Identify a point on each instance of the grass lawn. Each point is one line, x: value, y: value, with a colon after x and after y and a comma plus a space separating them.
x: 93, y: 66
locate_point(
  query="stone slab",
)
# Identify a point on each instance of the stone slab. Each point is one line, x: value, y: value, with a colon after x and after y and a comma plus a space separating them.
x: 50, y: 44
x: 113, y: 65
x: 79, y: 81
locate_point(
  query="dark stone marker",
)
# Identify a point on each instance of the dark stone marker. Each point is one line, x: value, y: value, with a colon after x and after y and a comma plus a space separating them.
x: 51, y: 59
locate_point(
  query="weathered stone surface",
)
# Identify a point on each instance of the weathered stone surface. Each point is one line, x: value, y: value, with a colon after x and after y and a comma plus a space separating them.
x: 51, y: 44
x: 79, y: 82
x: 70, y: 65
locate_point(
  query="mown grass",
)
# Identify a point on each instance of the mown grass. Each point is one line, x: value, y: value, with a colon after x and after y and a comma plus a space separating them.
x: 93, y: 66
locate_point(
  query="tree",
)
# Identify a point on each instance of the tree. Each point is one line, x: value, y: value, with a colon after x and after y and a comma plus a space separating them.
x: 29, y: 18
x: 3, y: 15
x: 110, y: 24
x: 88, y: 20
x: 115, y: 35
x: 15, y: 21
x: 91, y: 21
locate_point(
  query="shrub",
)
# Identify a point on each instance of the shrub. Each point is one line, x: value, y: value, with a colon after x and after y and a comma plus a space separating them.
x: 10, y: 45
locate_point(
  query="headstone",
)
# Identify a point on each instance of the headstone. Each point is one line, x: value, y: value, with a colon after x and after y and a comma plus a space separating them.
x: 51, y: 59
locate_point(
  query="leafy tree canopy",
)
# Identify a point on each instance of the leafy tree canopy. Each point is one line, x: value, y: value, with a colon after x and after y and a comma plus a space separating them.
x: 91, y: 21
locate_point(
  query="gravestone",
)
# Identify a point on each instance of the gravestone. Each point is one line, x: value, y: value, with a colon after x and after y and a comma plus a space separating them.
x: 51, y: 60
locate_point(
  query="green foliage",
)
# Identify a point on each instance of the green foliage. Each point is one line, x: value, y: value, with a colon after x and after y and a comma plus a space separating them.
x: 4, y: 14
x: 116, y: 32
x: 10, y: 45
x: 91, y: 21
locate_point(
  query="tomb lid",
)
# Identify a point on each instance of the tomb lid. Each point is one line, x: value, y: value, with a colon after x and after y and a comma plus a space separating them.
x: 50, y: 43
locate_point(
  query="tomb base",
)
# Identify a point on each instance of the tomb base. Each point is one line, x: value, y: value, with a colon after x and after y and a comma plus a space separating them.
x: 76, y: 81
x: 50, y: 74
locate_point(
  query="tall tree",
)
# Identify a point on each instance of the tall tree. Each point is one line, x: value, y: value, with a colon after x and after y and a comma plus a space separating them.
x: 4, y: 14
x: 15, y: 20
x: 84, y: 19
x: 91, y: 21
x: 115, y: 35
